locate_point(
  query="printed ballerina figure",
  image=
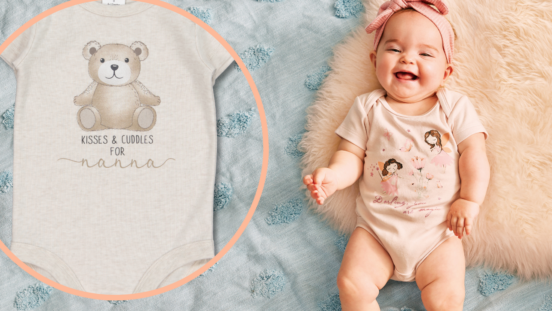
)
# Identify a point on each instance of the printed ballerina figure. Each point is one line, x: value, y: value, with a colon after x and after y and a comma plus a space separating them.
x: 421, y: 181
x: 390, y: 177
x: 436, y: 142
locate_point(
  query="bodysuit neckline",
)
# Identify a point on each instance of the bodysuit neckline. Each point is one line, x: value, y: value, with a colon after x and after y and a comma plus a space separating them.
x: 131, y: 7
x: 386, y: 105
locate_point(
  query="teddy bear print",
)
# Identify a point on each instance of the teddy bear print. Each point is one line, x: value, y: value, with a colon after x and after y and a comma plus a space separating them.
x: 116, y: 99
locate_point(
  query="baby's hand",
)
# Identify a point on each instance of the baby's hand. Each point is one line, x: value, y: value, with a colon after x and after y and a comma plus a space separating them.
x: 321, y: 183
x: 461, y: 215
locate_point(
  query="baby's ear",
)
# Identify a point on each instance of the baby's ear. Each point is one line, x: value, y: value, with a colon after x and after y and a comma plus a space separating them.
x: 140, y: 49
x: 448, y: 72
x: 90, y: 49
x: 373, y: 55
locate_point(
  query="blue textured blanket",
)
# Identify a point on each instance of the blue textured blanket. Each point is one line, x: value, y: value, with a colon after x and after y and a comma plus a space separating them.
x: 287, y: 259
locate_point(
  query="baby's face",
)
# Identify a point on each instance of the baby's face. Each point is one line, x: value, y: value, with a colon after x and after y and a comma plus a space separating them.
x: 412, y: 43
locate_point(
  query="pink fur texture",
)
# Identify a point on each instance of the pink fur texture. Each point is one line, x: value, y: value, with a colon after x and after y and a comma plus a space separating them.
x: 503, y: 63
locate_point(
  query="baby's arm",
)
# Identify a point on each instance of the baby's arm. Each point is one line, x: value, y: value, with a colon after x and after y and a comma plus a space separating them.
x: 474, y: 175
x: 346, y: 166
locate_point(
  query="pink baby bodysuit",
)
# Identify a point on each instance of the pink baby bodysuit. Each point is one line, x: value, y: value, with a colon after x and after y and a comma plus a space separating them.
x: 411, y: 173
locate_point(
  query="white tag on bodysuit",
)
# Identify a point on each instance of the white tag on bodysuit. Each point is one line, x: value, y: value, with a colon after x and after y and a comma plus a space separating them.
x: 118, y: 2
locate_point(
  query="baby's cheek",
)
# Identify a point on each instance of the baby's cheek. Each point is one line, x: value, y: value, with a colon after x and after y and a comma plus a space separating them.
x: 432, y: 74
x: 384, y: 76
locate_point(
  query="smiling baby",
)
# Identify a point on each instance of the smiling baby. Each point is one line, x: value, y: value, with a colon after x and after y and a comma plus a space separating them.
x: 419, y: 151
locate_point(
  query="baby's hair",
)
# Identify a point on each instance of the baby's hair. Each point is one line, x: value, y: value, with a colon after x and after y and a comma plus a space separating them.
x: 435, y: 134
x: 389, y: 162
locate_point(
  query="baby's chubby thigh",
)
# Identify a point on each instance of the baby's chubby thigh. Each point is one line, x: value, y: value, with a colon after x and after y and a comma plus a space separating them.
x: 365, y: 269
x: 440, y: 276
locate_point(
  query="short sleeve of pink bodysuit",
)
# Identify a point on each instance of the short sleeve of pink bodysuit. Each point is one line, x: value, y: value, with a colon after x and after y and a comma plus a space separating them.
x: 355, y: 127
x: 464, y: 120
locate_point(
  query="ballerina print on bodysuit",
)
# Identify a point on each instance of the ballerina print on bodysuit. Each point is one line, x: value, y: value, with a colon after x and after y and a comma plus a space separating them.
x: 433, y: 139
x: 390, y: 178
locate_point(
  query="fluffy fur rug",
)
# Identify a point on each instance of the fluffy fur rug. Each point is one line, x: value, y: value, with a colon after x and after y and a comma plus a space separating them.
x: 503, y: 63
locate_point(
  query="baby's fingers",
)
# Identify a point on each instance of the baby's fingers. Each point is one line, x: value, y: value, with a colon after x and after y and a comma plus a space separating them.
x: 318, y: 177
x: 460, y: 228
x: 453, y: 220
x: 468, y: 226
x: 307, y: 180
x: 320, y: 191
x: 314, y: 195
x: 320, y: 195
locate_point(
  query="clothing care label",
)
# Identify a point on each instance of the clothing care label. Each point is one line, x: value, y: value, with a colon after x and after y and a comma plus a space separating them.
x: 113, y: 1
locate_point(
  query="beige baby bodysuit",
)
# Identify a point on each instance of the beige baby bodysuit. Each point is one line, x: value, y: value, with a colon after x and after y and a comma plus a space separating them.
x: 115, y: 146
x: 410, y: 174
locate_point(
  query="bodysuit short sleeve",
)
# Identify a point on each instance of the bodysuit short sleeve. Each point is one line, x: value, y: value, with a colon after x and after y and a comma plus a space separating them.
x: 464, y: 120
x: 16, y: 51
x: 213, y: 54
x: 355, y: 127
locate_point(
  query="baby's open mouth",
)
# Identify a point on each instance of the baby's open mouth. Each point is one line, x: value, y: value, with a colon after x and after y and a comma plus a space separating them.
x: 405, y: 75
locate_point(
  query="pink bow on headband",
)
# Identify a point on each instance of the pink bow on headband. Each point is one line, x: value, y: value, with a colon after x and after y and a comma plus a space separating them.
x: 389, y: 8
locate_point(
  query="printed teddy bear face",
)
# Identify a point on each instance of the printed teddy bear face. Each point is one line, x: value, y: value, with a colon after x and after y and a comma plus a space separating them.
x: 114, y: 64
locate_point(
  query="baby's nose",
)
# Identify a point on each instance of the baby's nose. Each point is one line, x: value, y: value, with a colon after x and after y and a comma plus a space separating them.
x: 114, y: 67
x: 407, y: 60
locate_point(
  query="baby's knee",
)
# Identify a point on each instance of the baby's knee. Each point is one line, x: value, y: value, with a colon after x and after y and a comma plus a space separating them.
x: 356, y: 287
x: 448, y: 299
x: 453, y: 302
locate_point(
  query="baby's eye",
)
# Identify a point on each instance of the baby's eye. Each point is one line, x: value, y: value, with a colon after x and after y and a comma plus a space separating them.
x: 394, y: 50
x: 425, y: 54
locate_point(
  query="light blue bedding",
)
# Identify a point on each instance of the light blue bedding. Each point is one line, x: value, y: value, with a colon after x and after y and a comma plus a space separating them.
x: 287, y: 259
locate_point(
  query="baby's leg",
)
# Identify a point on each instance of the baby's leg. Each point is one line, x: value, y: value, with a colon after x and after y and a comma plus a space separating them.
x: 440, y: 277
x: 365, y: 269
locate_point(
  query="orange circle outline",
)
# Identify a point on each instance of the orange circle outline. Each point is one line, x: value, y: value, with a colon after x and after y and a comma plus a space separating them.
x: 260, y: 186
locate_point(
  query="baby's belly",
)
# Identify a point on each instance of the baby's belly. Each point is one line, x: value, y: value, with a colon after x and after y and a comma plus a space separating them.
x: 403, y: 216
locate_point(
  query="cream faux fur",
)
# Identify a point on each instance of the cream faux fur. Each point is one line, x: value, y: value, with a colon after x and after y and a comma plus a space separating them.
x: 503, y: 62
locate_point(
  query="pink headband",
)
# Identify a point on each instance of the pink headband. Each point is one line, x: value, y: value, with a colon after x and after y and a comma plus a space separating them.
x: 389, y: 8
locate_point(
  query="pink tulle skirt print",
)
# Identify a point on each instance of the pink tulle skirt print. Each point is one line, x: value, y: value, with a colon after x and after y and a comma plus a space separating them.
x: 390, y: 185
x: 442, y: 159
